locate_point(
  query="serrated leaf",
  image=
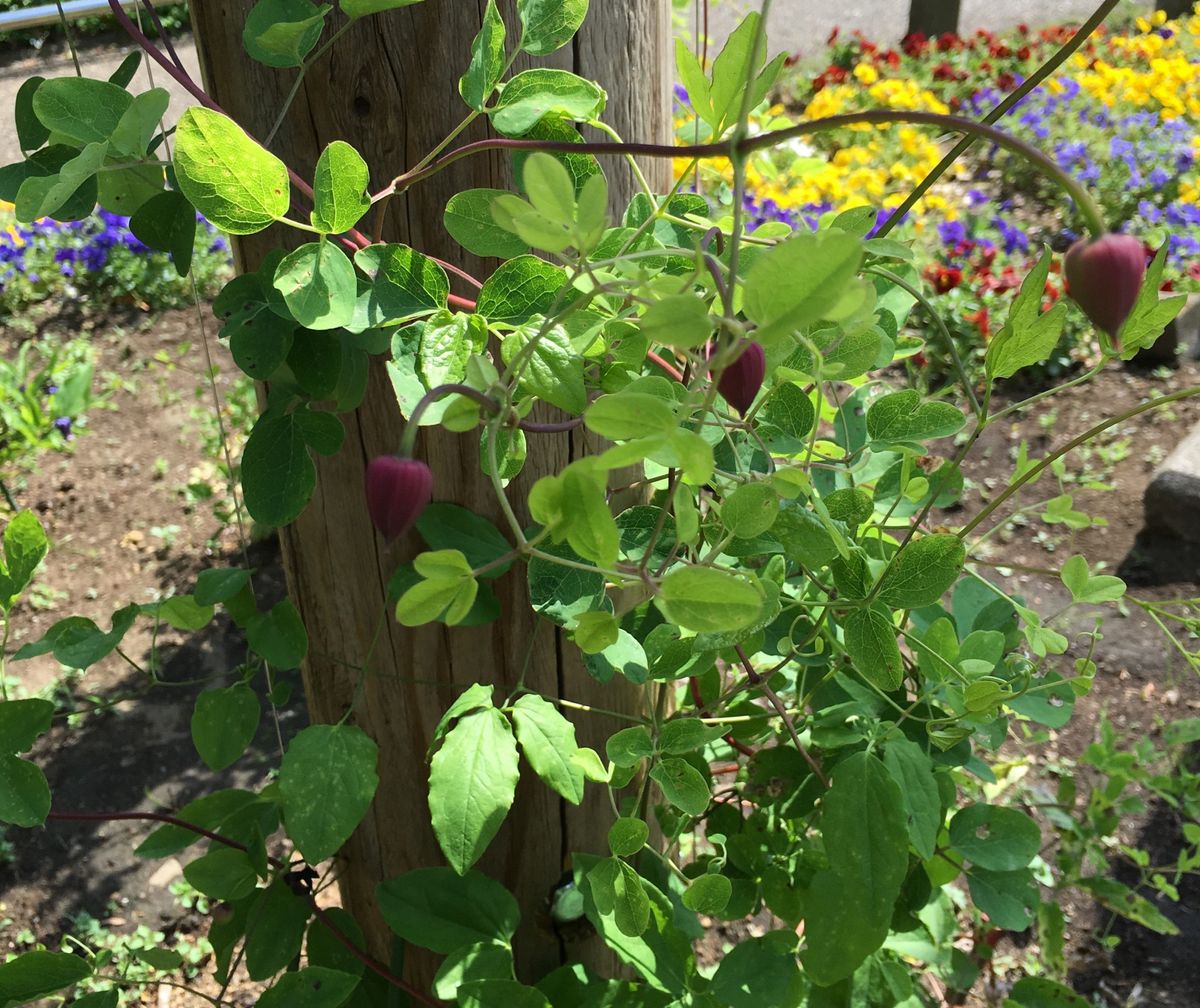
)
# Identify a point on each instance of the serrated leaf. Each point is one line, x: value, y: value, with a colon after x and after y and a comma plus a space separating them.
x: 472, y: 781
x: 548, y: 741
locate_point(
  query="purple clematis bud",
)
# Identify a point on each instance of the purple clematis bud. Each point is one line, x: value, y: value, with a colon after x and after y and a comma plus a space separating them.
x: 1104, y: 277
x: 398, y: 490
x: 740, y: 381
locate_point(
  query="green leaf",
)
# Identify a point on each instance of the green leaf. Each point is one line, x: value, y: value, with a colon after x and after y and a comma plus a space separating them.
x: 21, y: 722
x: 912, y: 769
x: 1010, y: 899
x: 520, y: 288
x: 487, y: 65
x: 1151, y: 314
x: 627, y: 836
x: 994, y: 837
x: 281, y: 33
x: 361, y: 8
x: 1087, y: 587
x: 682, y: 785
x: 790, y: 411
x: 223, y: 724
x: 278, y: 476
x: 167, y: 222
x: 871, y: 644
x: 310, y: 987
x: 318, y: 285
x: 631, y: 905
x: 45, y: 197
x: 662, y: 954
x: 561, y: 593
x: 275, y: 930
x: 548, y: 742
x: 450, y: 526
x: 78, y: 643
x: 629, y: 746
x: 554, y: 371
x: 587, y: 521
x: 82, y: 110
x: 903, y: 417
x: 435, y: 908
x: 686, y: 734
x: 31, y: 134
x: 39, y: 974
x: 1042, y: 992
x: 1122, y: 900
x: 531, y: 95
x: 404, y: 284
x: 750, y: 510
x: 709, y: 894
x: 481, y: 961
x: 500, y: 993
x: 279, y: 636
x: 708, y: 600
x: 223, y: 873
x: 240, y: 187
x: 850, y: 904
x: 756, y: 973
x: 679, y: 320
x: 340, y: 188
x: 736, y: 64
x: 468, y: 219
x: 140, y: 122
x: 472, y: 782
x: 549, y: 24
x: 1027, y: 336
x: 923, y: 571
x: 25, y: 547
x: 798, y: 281
x: 24, y: 795
x: 326, y: 783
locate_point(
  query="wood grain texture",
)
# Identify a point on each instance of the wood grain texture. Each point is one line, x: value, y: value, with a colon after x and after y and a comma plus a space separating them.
x: 389, y: 88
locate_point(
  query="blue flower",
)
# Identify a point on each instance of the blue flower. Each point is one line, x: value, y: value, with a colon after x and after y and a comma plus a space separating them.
x: 63, y: 426
x: 952, y: 232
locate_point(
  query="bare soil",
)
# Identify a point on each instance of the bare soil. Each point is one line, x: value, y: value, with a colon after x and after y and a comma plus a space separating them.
x: 123, y: 478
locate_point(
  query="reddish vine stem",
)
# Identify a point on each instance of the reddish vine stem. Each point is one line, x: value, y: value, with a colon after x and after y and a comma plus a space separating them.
x: 781, y: 710
x: 670, y: 369
x: 698, y: 699
x: 170, y: 820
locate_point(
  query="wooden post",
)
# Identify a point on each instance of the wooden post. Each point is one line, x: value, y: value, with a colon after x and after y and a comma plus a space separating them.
x: 389, y: 87
x: 933, y: 17
x: 1175, y: 8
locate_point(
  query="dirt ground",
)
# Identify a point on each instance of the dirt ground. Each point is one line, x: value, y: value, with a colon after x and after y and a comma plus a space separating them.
x: 123, y: 479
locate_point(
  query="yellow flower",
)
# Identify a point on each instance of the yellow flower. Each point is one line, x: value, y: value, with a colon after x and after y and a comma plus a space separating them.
x: 864, y: 73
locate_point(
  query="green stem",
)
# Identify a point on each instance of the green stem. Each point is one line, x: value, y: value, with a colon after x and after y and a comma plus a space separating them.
x: 1032, y: 81
x: 727, y: 148
x: 1070, y: 446
x: 925, y: 303
x: 1047, y: 393
x: 295, y: 90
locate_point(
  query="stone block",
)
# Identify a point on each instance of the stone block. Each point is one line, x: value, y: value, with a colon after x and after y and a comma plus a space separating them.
x: 1172, y: 500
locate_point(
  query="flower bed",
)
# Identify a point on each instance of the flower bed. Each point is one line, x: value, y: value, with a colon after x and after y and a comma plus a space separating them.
x: 1122, y: 117
x: 98, y: 263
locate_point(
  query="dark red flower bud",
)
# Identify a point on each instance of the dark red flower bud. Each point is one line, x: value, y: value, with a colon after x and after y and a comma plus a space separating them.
x: 740, y: 381
x: 398, y: 489
x: 1104, y: 277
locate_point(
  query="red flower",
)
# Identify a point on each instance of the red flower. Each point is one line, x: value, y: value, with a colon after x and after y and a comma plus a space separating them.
x: 398, y: 490
x: 981, y: 321
x: 944, y: 278
x: 1006, y: 81
x: 740, y: 381
x: 945, y: 72
x: 948, y: 42
x: 1104, y: 277
x: 914, y: 44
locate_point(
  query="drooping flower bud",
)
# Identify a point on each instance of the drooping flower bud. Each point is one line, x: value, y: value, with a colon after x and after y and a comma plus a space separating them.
x: 398, y: 490
x: 1104, y: 278
x: 740, y: 381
